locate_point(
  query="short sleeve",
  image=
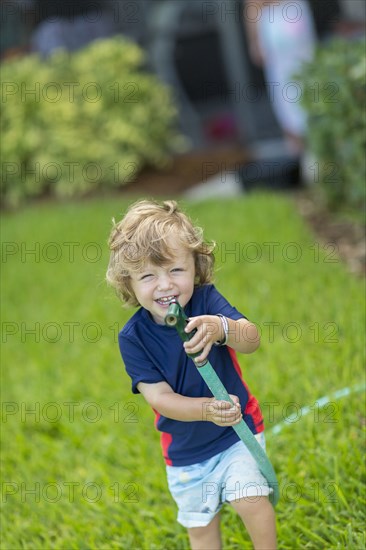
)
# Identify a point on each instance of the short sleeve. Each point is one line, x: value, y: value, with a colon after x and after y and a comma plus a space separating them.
x: 138, y: 365
x: 216, y: 303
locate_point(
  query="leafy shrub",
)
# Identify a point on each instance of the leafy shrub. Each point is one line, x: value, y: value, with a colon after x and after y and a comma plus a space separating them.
x: 334, y: 97
x: 80, y: 121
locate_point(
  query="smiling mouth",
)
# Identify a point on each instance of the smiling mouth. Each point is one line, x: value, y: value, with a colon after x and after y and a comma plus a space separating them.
x: 166, y: 300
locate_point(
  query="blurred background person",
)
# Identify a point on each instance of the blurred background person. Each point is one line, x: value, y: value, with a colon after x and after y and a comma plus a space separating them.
x: 281, y: 36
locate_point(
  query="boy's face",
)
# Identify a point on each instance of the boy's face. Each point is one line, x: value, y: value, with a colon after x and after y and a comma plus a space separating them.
x: 155, y: 286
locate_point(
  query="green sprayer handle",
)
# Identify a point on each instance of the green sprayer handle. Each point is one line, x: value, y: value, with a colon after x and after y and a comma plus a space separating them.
x: 178, y: 319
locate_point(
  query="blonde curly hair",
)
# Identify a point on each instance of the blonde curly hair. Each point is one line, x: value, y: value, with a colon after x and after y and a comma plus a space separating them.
x: 144, y: 236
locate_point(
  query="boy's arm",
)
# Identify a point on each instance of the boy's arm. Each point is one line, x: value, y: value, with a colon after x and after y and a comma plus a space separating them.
x: 243, y: 335
x: 172, y: 405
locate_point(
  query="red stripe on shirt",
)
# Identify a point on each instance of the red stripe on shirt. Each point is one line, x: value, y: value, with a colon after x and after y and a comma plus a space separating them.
x: 252, y: 408
x: 165, y: 440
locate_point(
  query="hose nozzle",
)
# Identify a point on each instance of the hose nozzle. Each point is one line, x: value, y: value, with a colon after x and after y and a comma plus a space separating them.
x: 178, y: 319
x: 174, y: 314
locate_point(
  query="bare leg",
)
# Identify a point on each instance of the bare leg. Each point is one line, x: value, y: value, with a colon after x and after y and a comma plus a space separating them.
x: 295, y: 143
x: 206, y: 538
x: 258, y: 517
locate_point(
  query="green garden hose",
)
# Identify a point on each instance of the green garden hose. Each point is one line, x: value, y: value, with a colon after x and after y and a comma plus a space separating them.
x: 178, y: 319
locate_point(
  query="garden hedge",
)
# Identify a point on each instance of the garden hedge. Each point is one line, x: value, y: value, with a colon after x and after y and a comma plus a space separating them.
x: 81, y: 121
x: 334, y: 96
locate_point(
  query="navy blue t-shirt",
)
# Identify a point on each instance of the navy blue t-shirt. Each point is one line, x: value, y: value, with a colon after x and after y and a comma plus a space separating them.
x: 154, y: 353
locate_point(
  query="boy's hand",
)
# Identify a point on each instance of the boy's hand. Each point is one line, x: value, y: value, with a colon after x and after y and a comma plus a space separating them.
x: 209, y: 330
x: 223, y: 413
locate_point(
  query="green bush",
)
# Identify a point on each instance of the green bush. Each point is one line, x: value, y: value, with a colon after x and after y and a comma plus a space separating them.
x: 334, y: 97
x: 80, y: 121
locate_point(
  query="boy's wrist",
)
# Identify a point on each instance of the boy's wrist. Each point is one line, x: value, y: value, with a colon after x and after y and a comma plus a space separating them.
x: 224, y: 325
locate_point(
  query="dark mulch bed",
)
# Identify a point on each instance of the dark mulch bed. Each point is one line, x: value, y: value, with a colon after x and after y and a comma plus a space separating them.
x: 187, y: 170
x: 348, y: 237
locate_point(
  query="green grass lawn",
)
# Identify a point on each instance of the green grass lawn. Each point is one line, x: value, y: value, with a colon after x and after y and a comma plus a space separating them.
x: 81, y: 460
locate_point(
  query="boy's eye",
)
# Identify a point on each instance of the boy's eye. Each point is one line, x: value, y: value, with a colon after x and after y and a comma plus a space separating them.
x: 177, y: 269
x: 146, y: 276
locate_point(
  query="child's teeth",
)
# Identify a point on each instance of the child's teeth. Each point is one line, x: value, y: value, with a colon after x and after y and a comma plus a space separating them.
x: 166, y: 299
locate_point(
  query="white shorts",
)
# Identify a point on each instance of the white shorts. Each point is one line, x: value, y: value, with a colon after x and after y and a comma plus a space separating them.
x: 201, y: 489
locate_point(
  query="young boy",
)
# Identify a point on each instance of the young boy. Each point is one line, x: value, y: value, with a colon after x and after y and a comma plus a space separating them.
x: 156, y: 255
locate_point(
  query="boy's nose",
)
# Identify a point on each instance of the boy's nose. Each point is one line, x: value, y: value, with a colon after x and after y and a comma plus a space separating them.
x: 164, y: 283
